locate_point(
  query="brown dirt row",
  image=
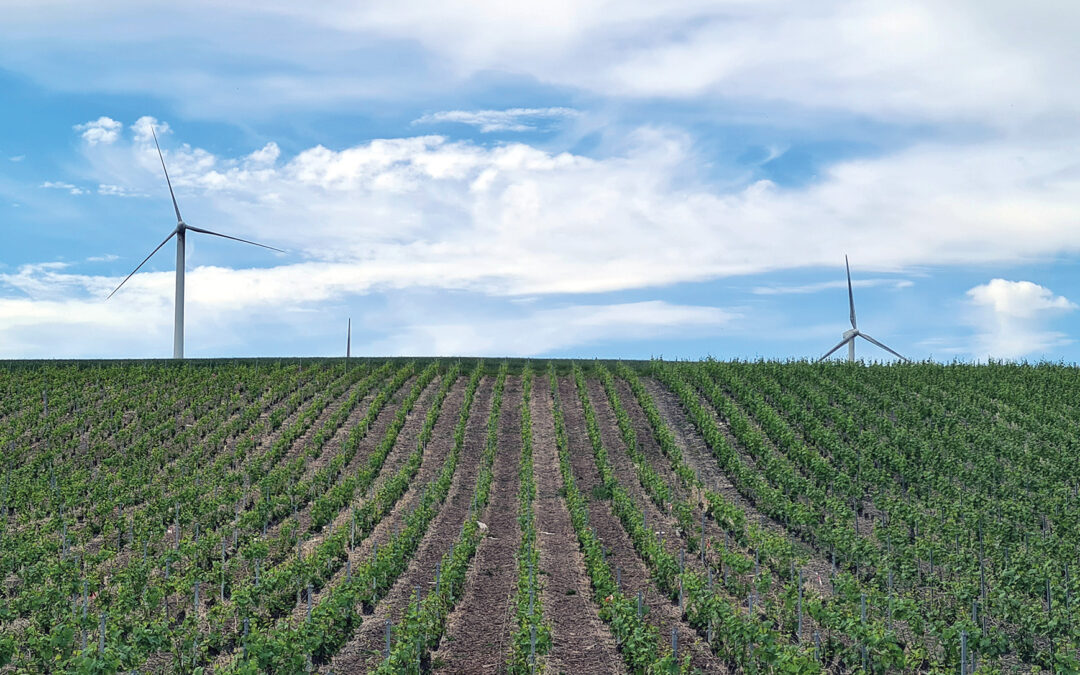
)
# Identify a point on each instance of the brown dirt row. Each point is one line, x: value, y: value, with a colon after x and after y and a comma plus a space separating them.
x: 621, y: 553
x: 648, y: 445
x: 300, y: 444
x: 266, y: 442
x: 434, y: 454
x: 414, y: 421
x: 866, y: 520
x: 210, y: 596
x: 699, y: 457
x: 83, y: 439
x: 478, y: 631
x: 436, y: 450
x: 364, y: 649
x: 93, y: 545
x: 581, y: 643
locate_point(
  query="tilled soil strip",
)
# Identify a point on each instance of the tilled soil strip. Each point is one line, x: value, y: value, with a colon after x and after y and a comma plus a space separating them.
x: 209, y: 599
x: 581, y: 643
x: 165, y: 539
x: 477, y: 638
x: 79, y: 523
x: 332, y: 447
x: 434, y: 453
x: 404, y: 444
x: 299, y: 445
x: 699, y: 457
x: 365, y: 649
x: 648, y: 445
x: 442, y: 441
x: 621, y: 553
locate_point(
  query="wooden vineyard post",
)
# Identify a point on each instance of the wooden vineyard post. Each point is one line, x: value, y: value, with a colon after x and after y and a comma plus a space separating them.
x: 798, y: 630
x: 862, y: 614
x: 963, y: 652
x: 532, y: 648
x: 702, y: 544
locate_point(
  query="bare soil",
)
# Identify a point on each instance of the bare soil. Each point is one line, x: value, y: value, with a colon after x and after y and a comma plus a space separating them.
x: 364, y: 650
x: 404, y: 444
x: 663, y: 614
x: 437, y: 449
x: 581, y: 643
x: 478, y: 632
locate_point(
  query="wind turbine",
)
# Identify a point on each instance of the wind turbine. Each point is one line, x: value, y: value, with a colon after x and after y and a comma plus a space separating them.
x: 181, y: 244
x: 348, y: 340
x: 850, y: 335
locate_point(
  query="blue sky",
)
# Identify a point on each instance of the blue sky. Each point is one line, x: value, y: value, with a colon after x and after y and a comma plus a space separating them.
x: 582, y: 178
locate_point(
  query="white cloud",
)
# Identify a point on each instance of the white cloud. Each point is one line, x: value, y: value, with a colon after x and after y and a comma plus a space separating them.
x: 514, y: 219
x: 59, y: 185
x: 117, y: 191
x: 108, y: 257
x: 51, y: 302
x: 547, y: 330
x: 512, y: 119
x: 996, y: 62
x: 268, y: 154
x: 102, y: 130
x: 146, y: 126
x: 17, y: 158
x: 1012, y: 318
x: 829, y: 285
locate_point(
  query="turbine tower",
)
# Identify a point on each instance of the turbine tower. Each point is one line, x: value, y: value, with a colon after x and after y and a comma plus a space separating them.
x: 181, y: 245
x: 850, y: 335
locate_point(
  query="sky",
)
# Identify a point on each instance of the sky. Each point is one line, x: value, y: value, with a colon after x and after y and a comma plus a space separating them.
x: 576, y: 178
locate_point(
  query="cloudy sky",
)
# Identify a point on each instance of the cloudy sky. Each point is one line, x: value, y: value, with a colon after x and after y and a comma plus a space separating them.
x: 581, y: 178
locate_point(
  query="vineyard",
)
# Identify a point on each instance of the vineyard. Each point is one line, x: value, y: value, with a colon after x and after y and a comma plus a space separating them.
x: 465, y: 516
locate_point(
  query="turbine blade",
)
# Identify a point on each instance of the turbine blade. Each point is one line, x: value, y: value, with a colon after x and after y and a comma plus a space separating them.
x: 882, y: 345
x: 830, y: 352
x: 850, y: 295
x: 171, y: 193
x: 225, y: 236
x: 171, y: 234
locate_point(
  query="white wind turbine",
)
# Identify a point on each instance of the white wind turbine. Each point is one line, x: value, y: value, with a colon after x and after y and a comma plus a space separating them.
x: 850, y: 335
x: 181, y: 243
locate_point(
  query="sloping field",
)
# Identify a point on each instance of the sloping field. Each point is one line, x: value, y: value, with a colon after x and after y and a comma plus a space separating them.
x: 473, y: 516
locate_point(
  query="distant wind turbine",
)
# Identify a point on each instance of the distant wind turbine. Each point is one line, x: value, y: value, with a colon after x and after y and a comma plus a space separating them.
x: 850, y: 335
x: 348, y: 339
x: 181, y: 244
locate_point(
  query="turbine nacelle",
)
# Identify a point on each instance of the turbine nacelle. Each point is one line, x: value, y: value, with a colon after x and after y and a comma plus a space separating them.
x: 181, y: 241
x: 854, y: 332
